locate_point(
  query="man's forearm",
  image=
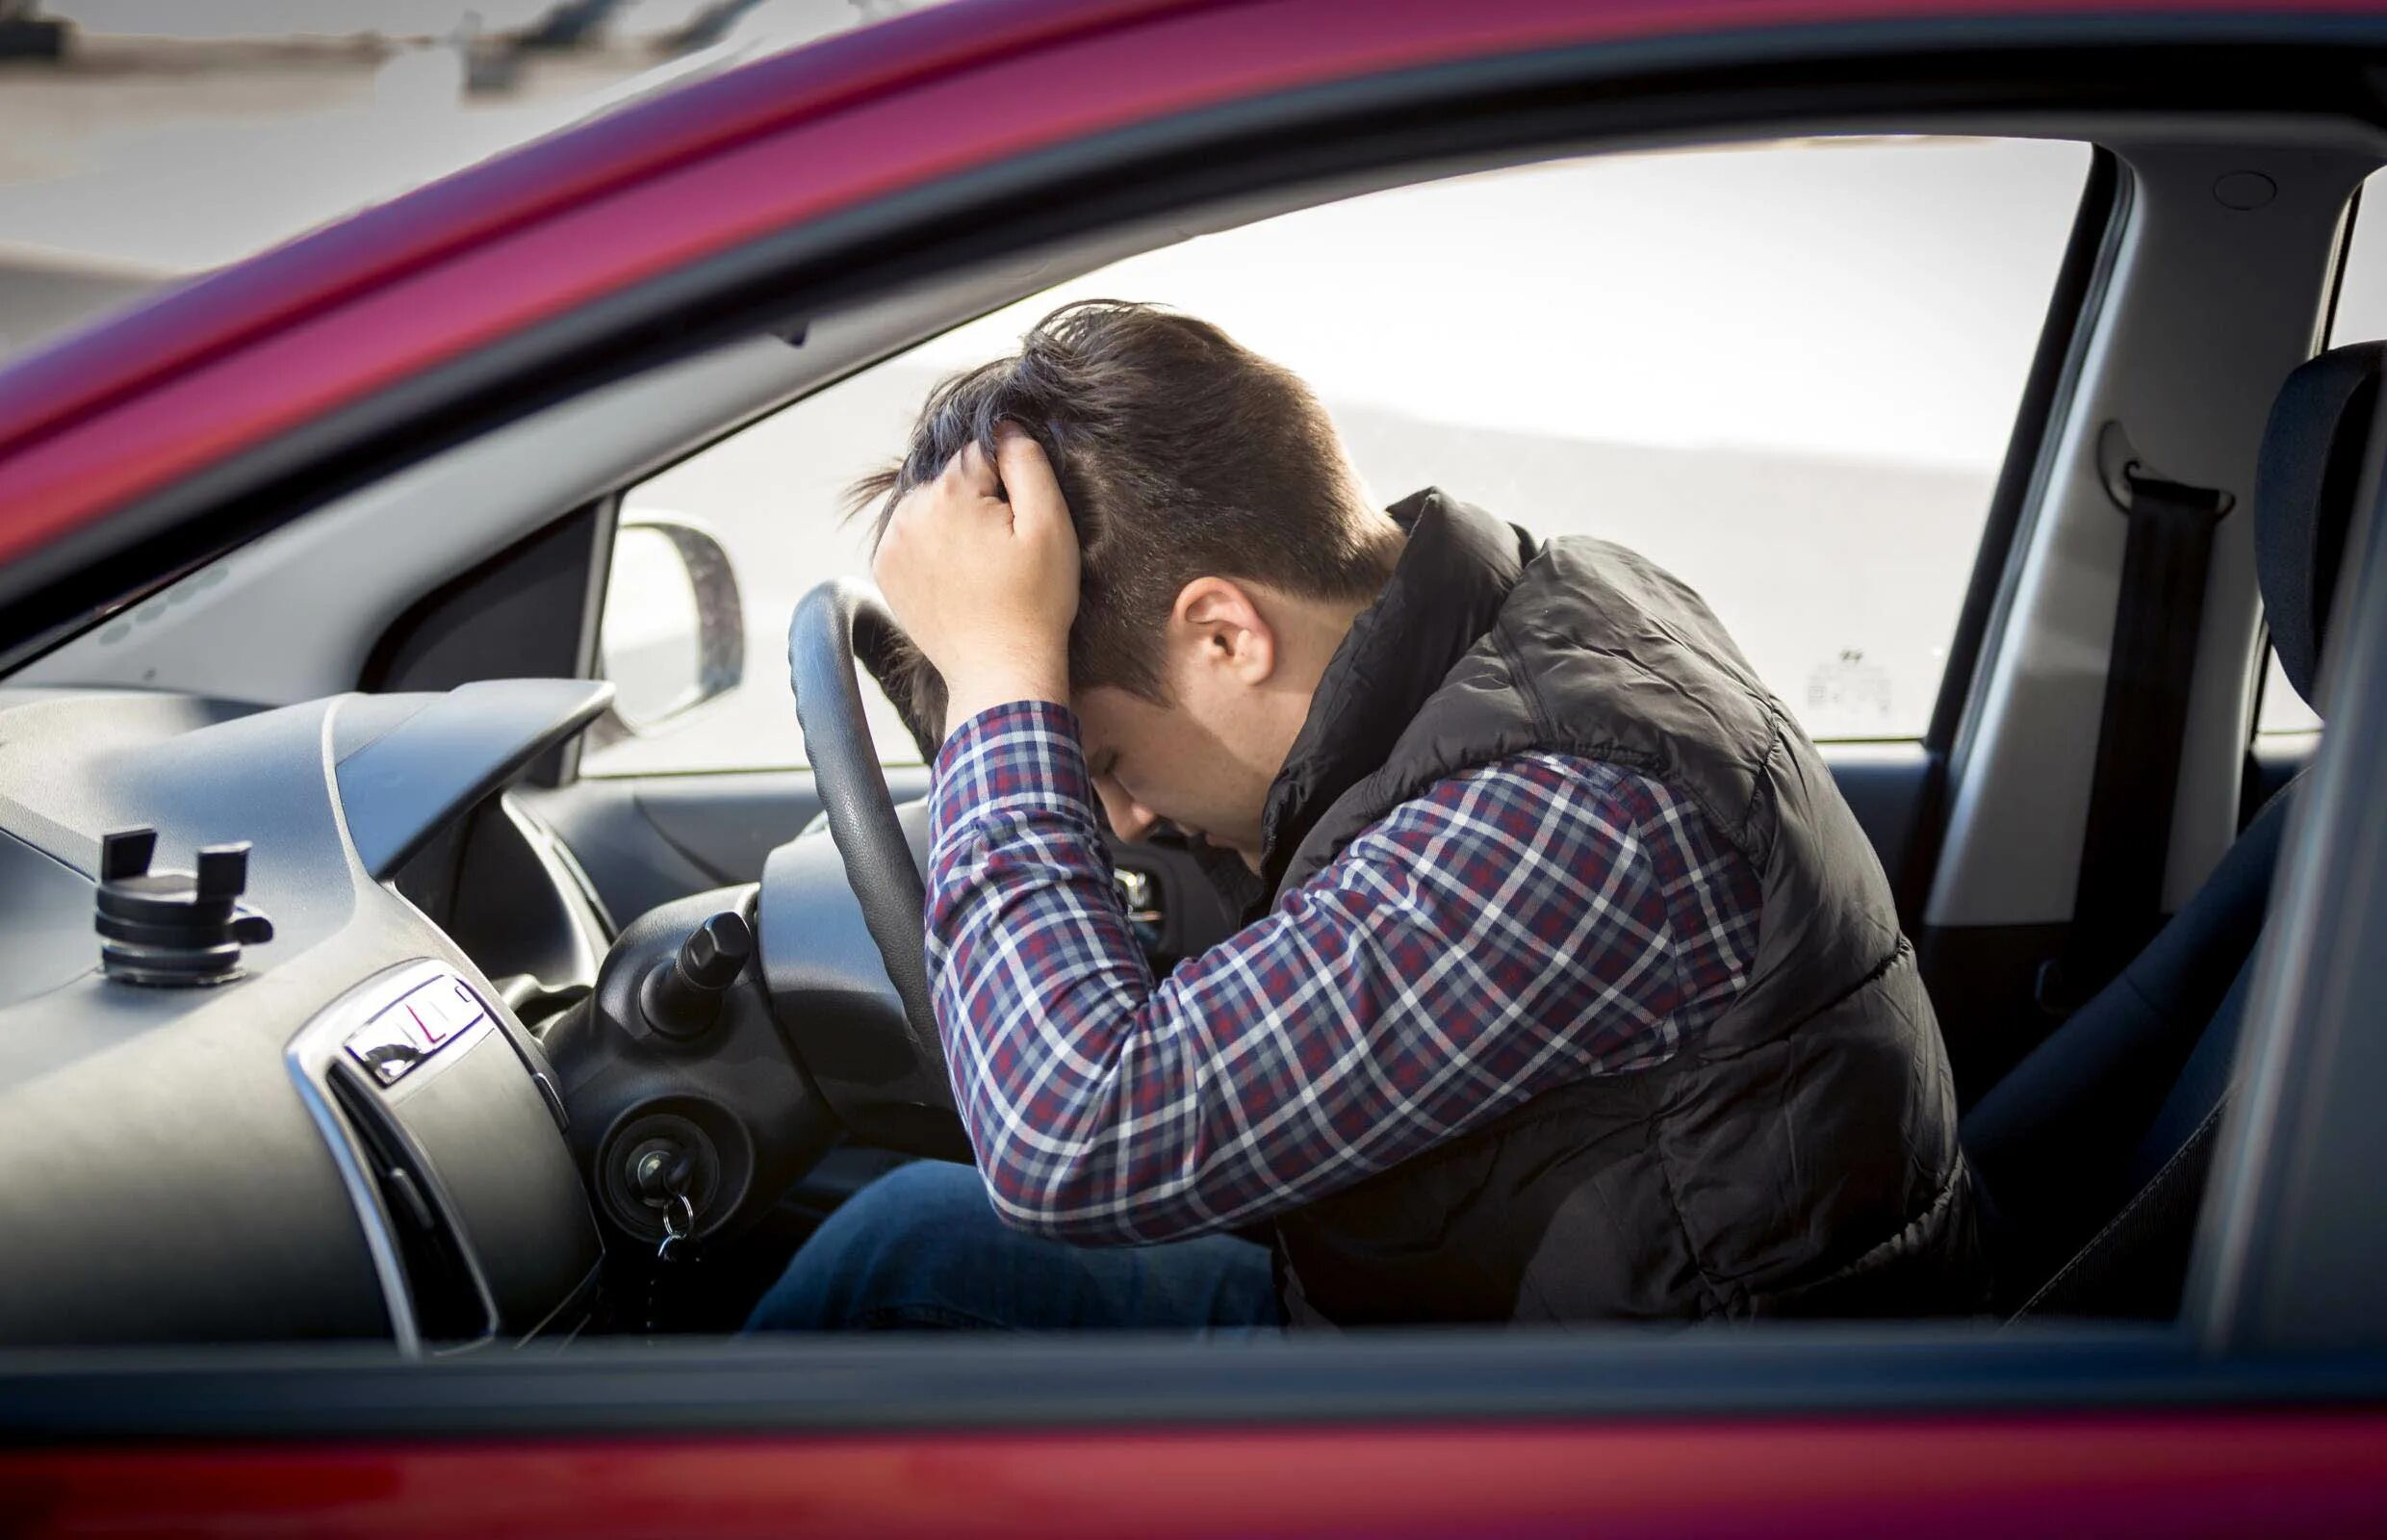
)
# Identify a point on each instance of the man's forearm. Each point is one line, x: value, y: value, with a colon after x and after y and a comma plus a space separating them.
x: 1020, y: 912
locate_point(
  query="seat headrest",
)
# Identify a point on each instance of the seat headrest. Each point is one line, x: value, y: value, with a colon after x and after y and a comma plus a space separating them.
x: 2313, y: 452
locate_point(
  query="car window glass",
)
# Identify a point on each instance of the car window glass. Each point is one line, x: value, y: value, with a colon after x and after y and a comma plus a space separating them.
x: 1787, y: 372
x: 2280, y: 709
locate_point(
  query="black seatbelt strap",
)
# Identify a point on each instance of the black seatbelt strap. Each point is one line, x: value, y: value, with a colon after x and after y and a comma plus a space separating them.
x: 2118, y: 903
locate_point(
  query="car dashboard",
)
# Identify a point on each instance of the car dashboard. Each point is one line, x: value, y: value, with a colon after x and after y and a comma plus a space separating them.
x: 352, y: 1135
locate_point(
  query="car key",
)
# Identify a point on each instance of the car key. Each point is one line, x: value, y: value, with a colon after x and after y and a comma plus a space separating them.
x: 679, y: 1225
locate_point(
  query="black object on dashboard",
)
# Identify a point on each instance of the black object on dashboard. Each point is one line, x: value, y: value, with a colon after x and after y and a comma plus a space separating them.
x: 681, y: 995
x: 173, y: 927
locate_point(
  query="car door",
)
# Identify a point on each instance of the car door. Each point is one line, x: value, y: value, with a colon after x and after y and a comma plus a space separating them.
x: 2258, y: 1409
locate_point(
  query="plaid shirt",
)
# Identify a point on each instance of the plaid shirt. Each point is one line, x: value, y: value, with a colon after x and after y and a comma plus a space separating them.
x: 1520, y: 927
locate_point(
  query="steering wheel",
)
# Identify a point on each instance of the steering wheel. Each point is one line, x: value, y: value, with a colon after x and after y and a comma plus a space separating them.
x: 740, y: 1091
x: 887, y: 1067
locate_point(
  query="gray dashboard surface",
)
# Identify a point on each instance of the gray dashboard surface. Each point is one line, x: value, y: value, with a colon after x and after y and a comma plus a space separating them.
x: 406, y: 763
x: 167, y: 1182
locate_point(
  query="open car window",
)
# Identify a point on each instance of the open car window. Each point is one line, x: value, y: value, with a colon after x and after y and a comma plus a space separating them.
x: 1787, y: 372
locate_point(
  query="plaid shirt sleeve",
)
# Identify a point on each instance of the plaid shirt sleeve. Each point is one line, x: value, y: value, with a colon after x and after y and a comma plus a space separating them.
x: 1530, y: 924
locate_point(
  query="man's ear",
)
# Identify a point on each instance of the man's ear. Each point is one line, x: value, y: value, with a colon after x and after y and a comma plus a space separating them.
x: 1218, y: 624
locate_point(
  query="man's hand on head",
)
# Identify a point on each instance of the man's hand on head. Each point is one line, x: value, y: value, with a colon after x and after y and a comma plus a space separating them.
x: 985, y: 588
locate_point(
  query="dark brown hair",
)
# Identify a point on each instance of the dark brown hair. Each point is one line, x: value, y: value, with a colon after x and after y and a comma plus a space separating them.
x: 1182, y: 455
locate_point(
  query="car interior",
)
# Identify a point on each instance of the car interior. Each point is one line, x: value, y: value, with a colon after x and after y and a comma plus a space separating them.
x: 487, y: 1045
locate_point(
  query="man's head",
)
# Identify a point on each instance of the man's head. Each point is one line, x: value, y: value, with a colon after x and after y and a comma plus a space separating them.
x: 1225, y: 545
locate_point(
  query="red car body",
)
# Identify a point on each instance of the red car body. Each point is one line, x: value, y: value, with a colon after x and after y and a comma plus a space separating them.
x: 1956, y: 1478
x: 234, y: 360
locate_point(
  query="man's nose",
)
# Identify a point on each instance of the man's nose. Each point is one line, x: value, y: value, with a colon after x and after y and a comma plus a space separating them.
x: 1130, y: 819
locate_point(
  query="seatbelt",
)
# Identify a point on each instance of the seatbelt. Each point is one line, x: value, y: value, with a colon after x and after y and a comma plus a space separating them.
x: 2117, y: 902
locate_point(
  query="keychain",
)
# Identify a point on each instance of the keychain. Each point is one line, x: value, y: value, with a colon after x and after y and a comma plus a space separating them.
x: 679, y: 1228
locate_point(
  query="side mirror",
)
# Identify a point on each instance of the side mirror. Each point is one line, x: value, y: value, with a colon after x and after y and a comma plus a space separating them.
x: 673, y: 635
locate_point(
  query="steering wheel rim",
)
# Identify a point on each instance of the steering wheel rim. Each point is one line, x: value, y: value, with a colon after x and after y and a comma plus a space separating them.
x: 839, y: 623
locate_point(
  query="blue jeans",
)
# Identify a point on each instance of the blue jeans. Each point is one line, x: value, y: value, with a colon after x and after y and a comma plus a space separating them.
x: 921, y: 1246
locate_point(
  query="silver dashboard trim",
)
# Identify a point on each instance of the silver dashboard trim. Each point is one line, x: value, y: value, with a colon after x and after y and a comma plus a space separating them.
x: 313, y: 1048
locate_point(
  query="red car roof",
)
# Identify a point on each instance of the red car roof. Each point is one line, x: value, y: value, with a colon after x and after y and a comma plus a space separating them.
x: 235, y: 358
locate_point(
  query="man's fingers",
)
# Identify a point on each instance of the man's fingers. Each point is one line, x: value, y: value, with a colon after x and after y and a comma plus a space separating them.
x: 974, y: 474
x: 1028, y: 477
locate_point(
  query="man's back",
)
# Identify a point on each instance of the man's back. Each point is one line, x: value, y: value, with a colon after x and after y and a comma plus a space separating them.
x: 1795, y: 1153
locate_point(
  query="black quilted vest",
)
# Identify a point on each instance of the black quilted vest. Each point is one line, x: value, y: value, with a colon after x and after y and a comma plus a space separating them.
x: 1799, y: 1156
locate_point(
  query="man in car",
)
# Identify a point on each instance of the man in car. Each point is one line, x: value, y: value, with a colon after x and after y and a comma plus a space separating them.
x: 1570, y: 988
